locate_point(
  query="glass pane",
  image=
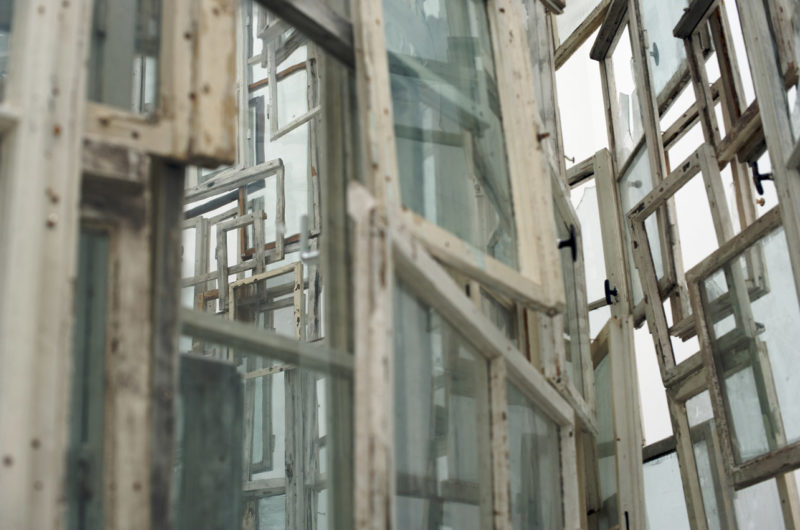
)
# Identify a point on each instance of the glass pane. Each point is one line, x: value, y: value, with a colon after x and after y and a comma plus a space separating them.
x: 441, y: 422
x: 284, y: 432
x: 584, y: 198
x: 540, y: 44
x: 85, y: 462
x: 707, y: 458
x: 571, y: 319
x: 575, y: 13
x: 628, y: 127
x: 759, y: 506
x: 666, y: 52
x: 450, y: 146
x: 6, y: 18
x: 580, y: 105
x: 608, y: 516
x: 534, y: 457
x: 501, y: 315
x: 634, y: 186
x: 663, y: 494
x: 124, y: 56
x: 752, y: 313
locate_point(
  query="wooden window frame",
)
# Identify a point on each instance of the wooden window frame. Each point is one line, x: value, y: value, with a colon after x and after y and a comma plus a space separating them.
x: 189, y: 123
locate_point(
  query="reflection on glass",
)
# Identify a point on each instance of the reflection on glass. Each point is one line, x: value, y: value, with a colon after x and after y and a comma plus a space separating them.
x: 6, y: 18
x: 663, y: 494
x: 534, y: 460
x: 752, y: 312
x: 628, y: 127
x: 501, y: 315
x: 634, y: 186
x: 665, y: 52
x: 284, y: 432
x: 86, y: 439
x: 441, y: 421
x: 450, y: 145
x: 124, y: 56
x: 608, y: 515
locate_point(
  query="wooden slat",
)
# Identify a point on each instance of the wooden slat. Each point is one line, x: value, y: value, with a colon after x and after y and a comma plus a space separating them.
x: 696, y: 13
x: 615, y: 16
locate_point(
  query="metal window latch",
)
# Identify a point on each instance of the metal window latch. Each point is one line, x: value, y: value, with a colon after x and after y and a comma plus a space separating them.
x: 610, y: 292
x: 572, y: 243
x: 307, y: 256
x: 758, y: 177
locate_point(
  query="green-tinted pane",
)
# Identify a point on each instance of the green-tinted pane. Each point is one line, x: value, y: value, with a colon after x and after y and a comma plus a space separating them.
x: 752, y: 312
x: 608, y: 515
x: 534, y: 460
x: 85, y: 462
x: 450, y: 146
x: 124, y: 58
x: 441, y: 422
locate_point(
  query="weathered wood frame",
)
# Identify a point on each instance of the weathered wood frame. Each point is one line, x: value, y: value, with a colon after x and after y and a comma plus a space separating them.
x: 190, y: 124
x: 617, y: 20
x: 615, y: 341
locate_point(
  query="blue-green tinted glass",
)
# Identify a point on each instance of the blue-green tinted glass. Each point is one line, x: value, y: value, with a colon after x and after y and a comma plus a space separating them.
x: 450, y: 147
x: 534, y: 460
x: 124, y: 56
x: 85, y: 462
x: 441, y: 422
x: 6, y: 18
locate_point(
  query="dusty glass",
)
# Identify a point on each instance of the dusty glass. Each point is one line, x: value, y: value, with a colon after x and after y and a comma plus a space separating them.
x: 628, y: 129
x: 534, y: 460
x: 450, y: 146
x: 442, y: 451
x: 634, y: 186
x: 124, y: 54
x: 571, y: 319
x: 663, y: 494
x: 754, y: 335
x: 665, y: 52
x: 707, y: 457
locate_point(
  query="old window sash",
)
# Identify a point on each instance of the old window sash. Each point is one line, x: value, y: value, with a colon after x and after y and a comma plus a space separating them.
x: 778, y: 460
x: 615, y: 343
x: 431, y: 283
x: 579, y: 392
x: 703, y: 161
x: 535, y: 284
x: 191, y: 122
x: 744, y: 131
x: 627, y: 14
